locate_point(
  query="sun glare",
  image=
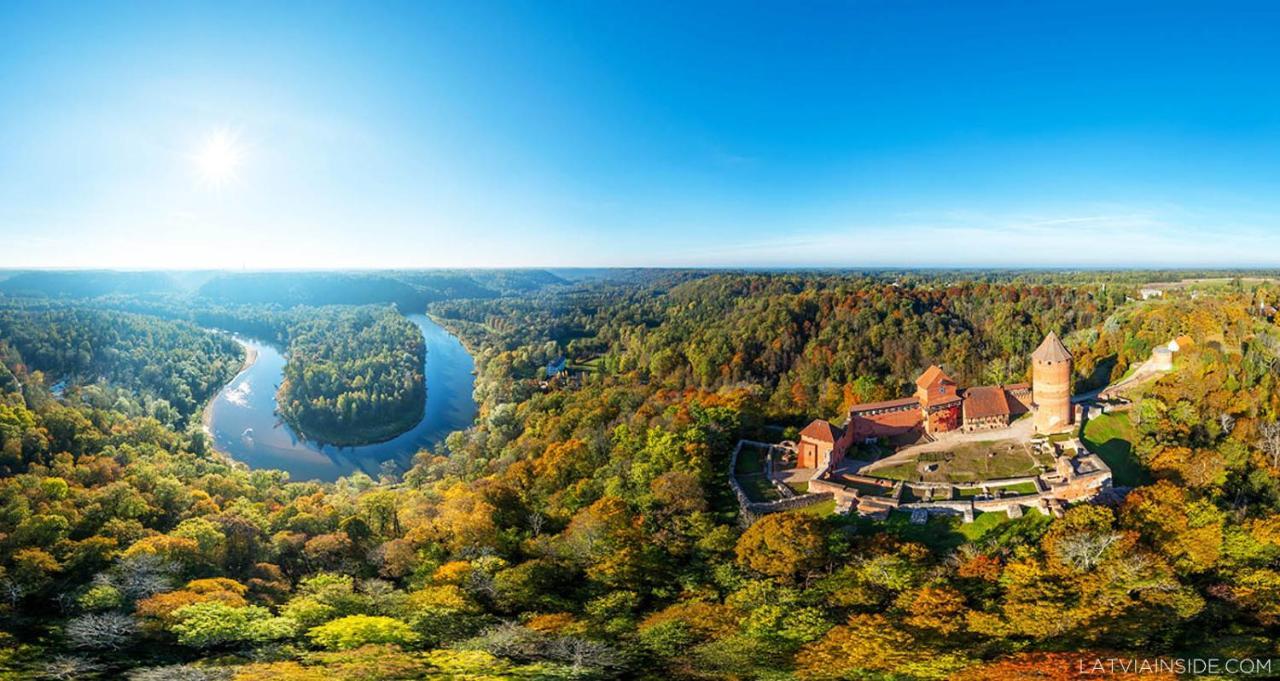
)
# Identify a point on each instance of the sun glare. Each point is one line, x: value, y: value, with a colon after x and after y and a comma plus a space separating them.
x: 219, y: 157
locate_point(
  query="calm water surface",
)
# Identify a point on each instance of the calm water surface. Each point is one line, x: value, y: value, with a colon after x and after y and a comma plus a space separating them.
x: 244, y: 424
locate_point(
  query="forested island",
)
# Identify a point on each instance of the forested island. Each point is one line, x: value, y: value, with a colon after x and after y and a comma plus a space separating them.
x: 583, y: 527
x: 354, y: 376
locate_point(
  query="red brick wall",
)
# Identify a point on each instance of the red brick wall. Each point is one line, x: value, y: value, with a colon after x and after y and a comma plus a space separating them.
x: 943, y: 420
x: 927, y: 397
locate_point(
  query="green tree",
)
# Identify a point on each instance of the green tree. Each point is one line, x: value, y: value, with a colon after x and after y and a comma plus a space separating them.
x: 212, y: 624
x: 357, y: 630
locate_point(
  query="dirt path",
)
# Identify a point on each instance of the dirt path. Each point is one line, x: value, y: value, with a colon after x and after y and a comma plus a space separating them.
x: 1145, y: 372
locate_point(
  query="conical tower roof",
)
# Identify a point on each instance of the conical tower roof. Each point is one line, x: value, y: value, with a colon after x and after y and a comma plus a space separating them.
x: 1051, y: 350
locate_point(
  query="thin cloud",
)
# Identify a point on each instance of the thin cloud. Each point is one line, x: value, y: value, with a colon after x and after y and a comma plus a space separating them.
x: 1135, y: 238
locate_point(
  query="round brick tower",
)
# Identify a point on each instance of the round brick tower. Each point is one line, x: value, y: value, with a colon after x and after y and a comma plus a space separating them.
x: 1051, y: 386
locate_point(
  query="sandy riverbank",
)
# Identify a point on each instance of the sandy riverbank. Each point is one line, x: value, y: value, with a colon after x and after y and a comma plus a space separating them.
x: 250, y: 357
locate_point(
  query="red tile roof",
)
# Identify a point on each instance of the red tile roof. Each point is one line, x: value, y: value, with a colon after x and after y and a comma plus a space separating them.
x: 822, y: 431
x: 932, y: 376
x: 984, y: 401
x: 887, y: 404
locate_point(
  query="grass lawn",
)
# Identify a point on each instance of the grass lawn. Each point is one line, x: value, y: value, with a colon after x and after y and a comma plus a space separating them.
x: 1110, y: 436
x: 822, y: 508
x: 589, y: 366
x: 800, y: 487
x: 1020, y: 488
x: 940, y: 533
x: 1045, y: 459
x: 982, y: 524
x: 750, y: 460
x: 988, y: 461
x: 968, y: 462
x: 946, y: 533
x: 758, y: 488
x: 1133, y: 369
x: 899, y: 471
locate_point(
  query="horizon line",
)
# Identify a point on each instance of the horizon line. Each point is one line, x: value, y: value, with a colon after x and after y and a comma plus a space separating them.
x: 673, y: 268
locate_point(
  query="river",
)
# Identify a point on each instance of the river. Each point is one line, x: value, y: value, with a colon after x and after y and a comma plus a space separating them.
x: 243, y: 423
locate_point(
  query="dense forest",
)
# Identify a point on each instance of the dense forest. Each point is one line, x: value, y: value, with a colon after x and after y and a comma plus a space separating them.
x: 165, y: 369
x: 582, y: 529
x: 409, y: 289
x: 354, y: 375
x: 815, y: 344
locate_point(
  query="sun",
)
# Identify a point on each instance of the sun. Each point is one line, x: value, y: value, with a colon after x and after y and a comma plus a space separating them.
x: 219, y: 157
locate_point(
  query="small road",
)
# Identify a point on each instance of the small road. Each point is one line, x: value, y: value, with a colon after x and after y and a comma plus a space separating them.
x: 1145, y: 372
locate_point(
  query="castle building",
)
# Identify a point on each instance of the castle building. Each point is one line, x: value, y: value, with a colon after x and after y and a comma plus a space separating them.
x: 986, y: 407
x: 939, y: 405
x: 1051, y: 386
x: 939, y: 400
x: 819, y: 441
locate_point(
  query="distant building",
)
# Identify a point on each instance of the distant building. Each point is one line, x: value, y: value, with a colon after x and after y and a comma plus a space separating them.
x: 556, y: 366
x: 1162, y: 358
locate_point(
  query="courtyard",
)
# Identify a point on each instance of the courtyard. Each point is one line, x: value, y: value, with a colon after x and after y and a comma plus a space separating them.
x: 962, y: 462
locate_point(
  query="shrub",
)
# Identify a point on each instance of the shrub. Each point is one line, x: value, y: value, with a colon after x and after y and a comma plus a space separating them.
x: 209, y: 624
x: 357, y: 630
x: 101, y: 597
x: 110, y: 630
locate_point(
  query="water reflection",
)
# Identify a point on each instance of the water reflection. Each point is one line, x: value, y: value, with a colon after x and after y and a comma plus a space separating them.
x: 244, y: 424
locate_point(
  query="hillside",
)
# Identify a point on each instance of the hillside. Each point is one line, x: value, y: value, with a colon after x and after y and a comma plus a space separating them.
x: 583, y: 528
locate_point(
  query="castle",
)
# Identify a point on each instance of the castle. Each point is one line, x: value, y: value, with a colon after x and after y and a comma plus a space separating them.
x: 939, y: 405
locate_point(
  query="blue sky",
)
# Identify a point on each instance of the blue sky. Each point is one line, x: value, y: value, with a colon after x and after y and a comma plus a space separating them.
x: 435, y: 134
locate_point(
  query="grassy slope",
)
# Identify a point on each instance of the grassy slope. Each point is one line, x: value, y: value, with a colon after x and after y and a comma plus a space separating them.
x: 946, y: 533
x: 1110, y: 436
